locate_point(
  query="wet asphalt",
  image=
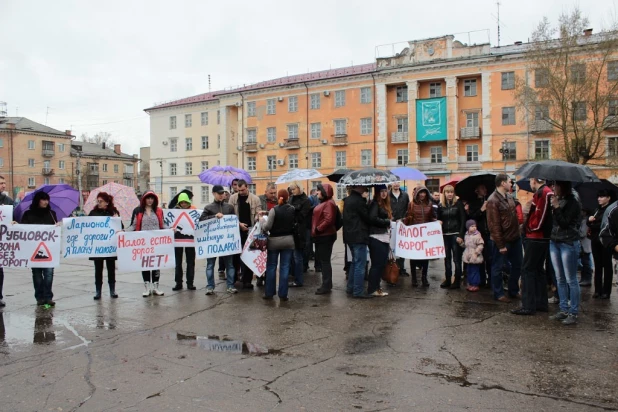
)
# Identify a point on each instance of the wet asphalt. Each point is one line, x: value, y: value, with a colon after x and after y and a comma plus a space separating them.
x: 417, y: 349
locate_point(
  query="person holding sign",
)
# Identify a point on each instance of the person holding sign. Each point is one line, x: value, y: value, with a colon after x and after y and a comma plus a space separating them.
x: 4, y: 201
x: 149, y: 217
x: 105, y: 207
x: 420, y: 211
x: 40, y: 213
x: 184, y: 202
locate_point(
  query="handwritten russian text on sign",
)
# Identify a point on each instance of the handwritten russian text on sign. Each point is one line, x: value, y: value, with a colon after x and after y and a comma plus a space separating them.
x: 254, y: 259
x: 420, y: 242
x: 184, y: 220
x: 29, y: 246
x: 89, y: 236
x: 146, y: 250
x: 6, y: 214
x: 217, y: 237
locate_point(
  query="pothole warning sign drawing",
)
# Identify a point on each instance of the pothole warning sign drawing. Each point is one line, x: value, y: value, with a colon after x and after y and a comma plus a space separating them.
x: 41, y: 254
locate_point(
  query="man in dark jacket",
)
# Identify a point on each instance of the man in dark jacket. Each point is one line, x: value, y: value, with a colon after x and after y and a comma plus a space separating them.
x: 302, y: 209
x: 4, y: 201
x: 399, y: 206
x: 505, y: 239
x: 356, y: 235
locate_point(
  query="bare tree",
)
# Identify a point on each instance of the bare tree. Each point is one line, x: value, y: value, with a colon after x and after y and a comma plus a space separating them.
x: 99, y: 138
x: 573, y: 89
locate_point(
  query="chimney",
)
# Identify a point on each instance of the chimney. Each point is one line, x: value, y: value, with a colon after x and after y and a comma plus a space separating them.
x: 103, y: 145
x: 588, y: 32
x: 10, y: 126
x: 518, y: 43
x: 117, y: 149
x: 67, y: 132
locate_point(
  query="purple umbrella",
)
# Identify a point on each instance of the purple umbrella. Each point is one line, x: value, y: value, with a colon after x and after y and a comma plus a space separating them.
x: 223, y: 175
x: 409, y: 173
x: 63, y: 199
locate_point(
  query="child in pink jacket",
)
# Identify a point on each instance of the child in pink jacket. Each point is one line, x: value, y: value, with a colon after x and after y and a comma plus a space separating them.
x: 473, y: 255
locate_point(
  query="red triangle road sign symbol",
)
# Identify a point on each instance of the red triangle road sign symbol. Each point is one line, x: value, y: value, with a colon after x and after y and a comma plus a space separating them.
x: 41, y: 254
x: 184, y: 215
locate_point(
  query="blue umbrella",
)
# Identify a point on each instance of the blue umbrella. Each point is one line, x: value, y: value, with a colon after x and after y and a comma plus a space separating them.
x: 63, y: 199
x: 409, y: 173
x: 223, y: 175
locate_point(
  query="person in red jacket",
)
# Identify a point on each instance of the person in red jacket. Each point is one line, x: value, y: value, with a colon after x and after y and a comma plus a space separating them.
x: 537, y: 230
x: 324, y: 234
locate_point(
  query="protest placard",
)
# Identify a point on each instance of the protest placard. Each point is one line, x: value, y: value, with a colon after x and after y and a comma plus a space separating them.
x: 255, y: 259
x: 6, y: 214
x: 89, y: 236
x: 217, y: 237
x: 146, y: 250
x: 29, y: 246
x: 420, y: 242
x: 184, y: 220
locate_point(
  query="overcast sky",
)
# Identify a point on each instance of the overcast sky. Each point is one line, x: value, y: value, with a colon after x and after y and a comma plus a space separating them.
x: 97, y: 65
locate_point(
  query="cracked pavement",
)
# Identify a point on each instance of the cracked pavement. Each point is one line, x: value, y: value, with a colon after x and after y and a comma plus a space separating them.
x: 417, y: 349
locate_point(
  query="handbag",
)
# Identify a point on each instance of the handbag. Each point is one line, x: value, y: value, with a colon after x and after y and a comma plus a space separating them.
x: 391, y: 270
x: 260, y: 240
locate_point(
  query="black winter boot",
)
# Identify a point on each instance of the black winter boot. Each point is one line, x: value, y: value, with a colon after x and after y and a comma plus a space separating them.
x: 112, y: 290
x: 414, y: 280
x: 97, y: 295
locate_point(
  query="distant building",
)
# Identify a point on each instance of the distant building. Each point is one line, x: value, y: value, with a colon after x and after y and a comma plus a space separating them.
x: 100, y: 165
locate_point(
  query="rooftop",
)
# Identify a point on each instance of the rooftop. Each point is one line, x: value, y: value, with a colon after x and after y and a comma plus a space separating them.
x: 23, y: 124
x: 95, y: 149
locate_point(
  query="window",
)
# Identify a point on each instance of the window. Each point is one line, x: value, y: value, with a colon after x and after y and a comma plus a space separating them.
x: 115, y: 168
x: 172, y: 169
x: 316, y: 160
x: 316, y: 130
x: 1, y: 142
x: 250, y: 109
x: 612, y: 107
x: 578, y: 73
x: 472, y: 119
x: 218, y: 116
x: 314, y: 102
x: 251, y: 164
x: 188, y: 121
x: 292, y: 131
x: 340, y: 98
x: 402, y: 124
x: 61, y: 181
x: 61, y: 164
x: 218, y: 141
x: 365, y: 95
x: 340, y: 127
x: 402, y: 157
x: 204, y: 165
x: 402, y: 94
x: 205, y: 194
x: 172, y: 122
x: 433, y: 185
x: 508, y: 116
x: 46, y: 180
x: 366, y: 127
x: 31, y: 145
x: 612, y: 70
x: 47, y: 164
x: 510, y: 151
x: 105, y: 167
x: 612, y: 146
x: 251, y: 136
x: 271, y: 162
x: 252, y: 189
x: 341, y: 192
x: 366, y: 157
x: 314, y: 185
x: 204, y: 142
x: 204, y: 117
x: 508, y: 80
x: 541, y: 112
x: 340, y: 159
x: 31, y: 182
x: 470, y: 87
x: 30, y: 162
x: 271, y: 106
x: 292, y: 104
x: 60, y: 147
x: 1, y: 162
x: 188, y: 144
x: 579, y: 111
x: 173, y: 145
x: 173, y: 191
x: 435, y: 90
x: 541, y: 78
x: 436, y: 154
x: 472, y: 153
x: 293, y: 161
x: 541, y: 150
x: 188, y: 168
x: 271, y: 134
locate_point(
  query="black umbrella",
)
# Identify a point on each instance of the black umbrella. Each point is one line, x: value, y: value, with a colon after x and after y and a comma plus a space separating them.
x: 524, y: 184
x: 557, y: 170
x: 338, y: 174
x: 465, y: 188
x: 588, y: 193
x: 172, y: 204
x: 368, y: 177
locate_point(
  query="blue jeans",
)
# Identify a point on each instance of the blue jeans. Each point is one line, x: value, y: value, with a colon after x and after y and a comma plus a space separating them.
x: 42, y: 279
x: 229, y: 269
x: 284, y: 272
x: 474, y: 274
x: 514, y: 254
x: 299, y: 266
x: 564, y: 259
x: 356, y: 274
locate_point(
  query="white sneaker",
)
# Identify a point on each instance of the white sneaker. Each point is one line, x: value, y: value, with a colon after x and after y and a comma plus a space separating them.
x: 553, y: 300
x: 155, y: 289
x: 379, y: 293
x: 231, y: 290
x: 210, y: 291
x: 146, y: 289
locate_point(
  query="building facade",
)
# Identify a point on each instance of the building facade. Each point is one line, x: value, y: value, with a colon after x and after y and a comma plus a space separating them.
x: 443, y: 107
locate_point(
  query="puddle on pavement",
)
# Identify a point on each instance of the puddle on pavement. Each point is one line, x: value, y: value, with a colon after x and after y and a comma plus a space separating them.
x: 224, y: 344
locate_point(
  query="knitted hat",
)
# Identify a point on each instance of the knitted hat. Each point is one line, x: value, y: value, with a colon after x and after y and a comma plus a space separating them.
x: 469, y: 223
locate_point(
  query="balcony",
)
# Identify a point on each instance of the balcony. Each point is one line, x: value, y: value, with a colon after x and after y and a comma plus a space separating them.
x: 291, y: 144
x: 339, y: 140
x: 611, y: 122
x: 541, y: 126
x: 251, y: 147
x: 92, y: 172
x: 432, y: 166
x: 48, y: 152
x: 470, y: 133
x: 127, y: 175
x: 46, y: 171
x: 399, y: 137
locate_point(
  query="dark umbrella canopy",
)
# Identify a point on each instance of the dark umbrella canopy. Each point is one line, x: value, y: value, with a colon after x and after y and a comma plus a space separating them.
x: 524, y: 184
x: 368, y: 177
x: 465, y: 188
x: 557, y: 170
x: 588, y: 193
x: 338, y: 174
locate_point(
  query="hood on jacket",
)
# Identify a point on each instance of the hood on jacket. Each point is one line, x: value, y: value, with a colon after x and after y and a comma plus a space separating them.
x: 38, y: 196
x: 326, y: 190
x: 149, y: 193
x: 419, y: 189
